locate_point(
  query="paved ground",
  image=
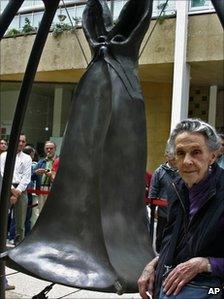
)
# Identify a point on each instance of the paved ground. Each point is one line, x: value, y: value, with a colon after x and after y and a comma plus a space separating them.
x: 27, y: 287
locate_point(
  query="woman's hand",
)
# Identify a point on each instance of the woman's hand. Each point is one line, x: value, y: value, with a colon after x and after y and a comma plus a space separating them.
x: 146, y: 280
x: 184, y: 273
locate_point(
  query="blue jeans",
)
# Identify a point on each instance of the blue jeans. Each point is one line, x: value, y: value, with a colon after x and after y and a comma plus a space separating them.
x: 199, y: 289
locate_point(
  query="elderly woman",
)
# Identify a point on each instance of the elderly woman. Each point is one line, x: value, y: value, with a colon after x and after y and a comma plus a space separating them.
x: 191, y: 261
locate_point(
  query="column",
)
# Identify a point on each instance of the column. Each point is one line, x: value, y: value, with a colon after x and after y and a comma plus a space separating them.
x: 58, y: 96
x: 181, y: 76
x: 212, y: 105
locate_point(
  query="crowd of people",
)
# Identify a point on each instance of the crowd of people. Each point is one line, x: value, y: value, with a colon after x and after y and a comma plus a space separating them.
x: 30, y: 178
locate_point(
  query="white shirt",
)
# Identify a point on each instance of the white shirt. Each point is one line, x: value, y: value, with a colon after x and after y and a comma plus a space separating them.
x: 22, y: 169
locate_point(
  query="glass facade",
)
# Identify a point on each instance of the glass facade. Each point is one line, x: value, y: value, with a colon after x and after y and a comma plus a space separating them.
x: 39, y: 123
x: 33, y: 9
x: 158, y: 6
x: 202, y: 4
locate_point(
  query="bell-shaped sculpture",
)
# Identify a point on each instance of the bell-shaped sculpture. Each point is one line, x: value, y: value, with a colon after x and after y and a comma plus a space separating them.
x: 92, y: 232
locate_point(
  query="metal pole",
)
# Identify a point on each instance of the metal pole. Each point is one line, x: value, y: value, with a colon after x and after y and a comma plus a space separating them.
x: 8, y: 15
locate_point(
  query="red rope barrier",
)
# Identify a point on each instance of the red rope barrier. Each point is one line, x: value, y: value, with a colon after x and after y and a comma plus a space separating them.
x: 156, y: 202
x: 38, y: 191
x: 148, y: 201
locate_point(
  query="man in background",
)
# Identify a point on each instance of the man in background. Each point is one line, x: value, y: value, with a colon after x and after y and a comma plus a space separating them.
x: 20, y: 181
x: 3, y: 146
x: 43, y: 172
x: 160, y: 188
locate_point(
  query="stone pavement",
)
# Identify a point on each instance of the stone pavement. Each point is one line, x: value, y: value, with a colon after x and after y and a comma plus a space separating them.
x: 27, y: 287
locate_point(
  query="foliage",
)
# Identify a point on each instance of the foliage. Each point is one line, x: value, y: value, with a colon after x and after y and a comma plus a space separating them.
x: 162, y: 6
x: 12, y: 32
x: 58, y: 28
x: 27, y: 28
x: 162, y: 16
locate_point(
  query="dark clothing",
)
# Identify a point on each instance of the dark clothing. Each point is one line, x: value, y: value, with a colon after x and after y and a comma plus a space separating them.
x: 200, y: 236
x: 148, y: 177
x: 161, y: 224
x: 161, y: 187
x: 37, y: 178
x: 42, y: 180
x: 203, y: 287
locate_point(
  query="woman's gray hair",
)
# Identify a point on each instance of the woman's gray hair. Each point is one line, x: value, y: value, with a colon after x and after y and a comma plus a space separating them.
x: 195, y: 126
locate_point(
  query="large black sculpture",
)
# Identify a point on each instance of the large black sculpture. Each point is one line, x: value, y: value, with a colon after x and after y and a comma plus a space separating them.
x: 92, y: 232
x: 5, y: 19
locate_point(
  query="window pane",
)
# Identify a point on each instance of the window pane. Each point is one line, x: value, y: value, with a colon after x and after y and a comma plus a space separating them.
x: 79, y: 11
x: 27, y: 3
x: 117, y: 8
x: 158, y: 7
x: 202, y: 4
x: 14, y: 23
x: 22, y: 19
x: 68, y: 1
x: 37, y: 17
x: 3, y: 4
x: 38, y: 2
x: 71, y: 12
x: 56, y: 20
x: 198, y: 3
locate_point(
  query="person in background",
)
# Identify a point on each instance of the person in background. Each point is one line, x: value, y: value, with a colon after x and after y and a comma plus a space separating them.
x: 161, y: 188
x: 54, y: 169
x: 32, y: 201
x: 148, y: 177
x: 3, y: 146
x: 8, y: 287
x: 220, y: 159
x: 20, y: 181
x: 191, y: 261
x: 42, y: 172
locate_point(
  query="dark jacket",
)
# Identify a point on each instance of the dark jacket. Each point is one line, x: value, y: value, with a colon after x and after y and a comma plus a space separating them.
x: 200, y: 237
x: 37, y: 178
x: 161, y: 186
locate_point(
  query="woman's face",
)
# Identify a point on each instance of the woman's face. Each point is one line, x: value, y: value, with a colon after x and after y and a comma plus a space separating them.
x: 193, y: 157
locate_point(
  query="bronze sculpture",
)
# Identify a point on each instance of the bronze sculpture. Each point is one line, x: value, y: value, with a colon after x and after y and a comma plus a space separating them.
x: 107, y: 239
x: 98, y: 193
